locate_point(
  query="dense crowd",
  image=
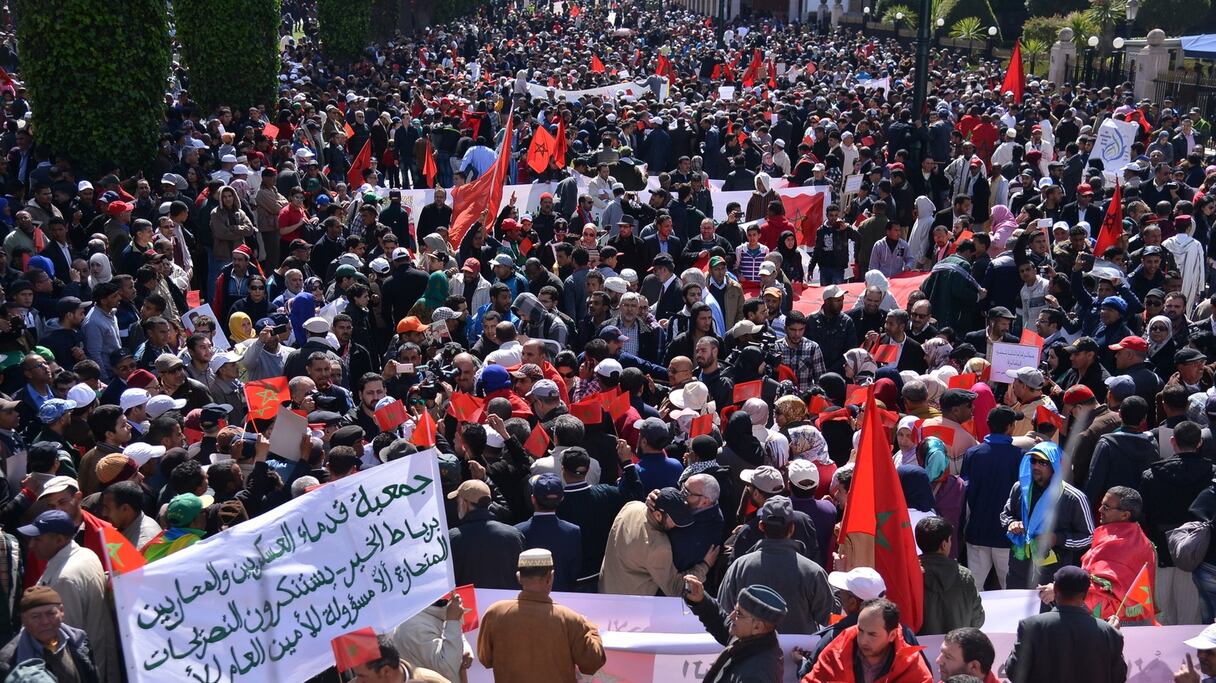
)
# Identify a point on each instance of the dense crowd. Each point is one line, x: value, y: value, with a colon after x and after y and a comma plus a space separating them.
x: 630, y: 395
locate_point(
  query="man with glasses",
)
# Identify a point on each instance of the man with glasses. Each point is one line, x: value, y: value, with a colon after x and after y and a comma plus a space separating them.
x: 749, y: 630
x: 176, y: 383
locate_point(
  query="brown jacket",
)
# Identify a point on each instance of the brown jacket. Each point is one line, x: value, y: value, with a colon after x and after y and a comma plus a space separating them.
x: 268, y: 202
x: 531, y: 639
x: 1104, y: 421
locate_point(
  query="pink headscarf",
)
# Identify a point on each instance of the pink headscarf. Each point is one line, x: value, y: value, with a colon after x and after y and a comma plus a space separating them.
x: 983, y: 404
x: 1003, y: 225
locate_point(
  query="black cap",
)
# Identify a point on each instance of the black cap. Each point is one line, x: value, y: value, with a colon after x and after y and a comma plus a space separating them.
x: 68, y: 304
x: 1157, y: 292
x: 1150, y: 250
x: 211, y: 414
x: 672, y: 502
x: 956, y: 397
x: 1071, y: 580
x: 1187, y: 355
x: 1000, y: 312
x: 1083, y: 344
x: 963, y: 352
x: 347, y: 436
x: 323, y: 417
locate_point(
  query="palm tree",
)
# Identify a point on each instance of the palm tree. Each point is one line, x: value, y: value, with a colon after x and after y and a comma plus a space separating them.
x: 1082, y: 29
x: 1034, y: 48
x: 968, y: 29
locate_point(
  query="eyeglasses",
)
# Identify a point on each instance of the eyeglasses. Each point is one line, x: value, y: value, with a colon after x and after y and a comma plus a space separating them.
x: 257, y: 289
x: 1104, y: 506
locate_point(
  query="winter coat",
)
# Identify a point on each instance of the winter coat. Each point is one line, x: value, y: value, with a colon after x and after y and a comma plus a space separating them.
x: 951, y: 598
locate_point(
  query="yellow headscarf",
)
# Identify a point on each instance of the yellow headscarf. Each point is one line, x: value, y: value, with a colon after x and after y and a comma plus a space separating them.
x: 237, y: 327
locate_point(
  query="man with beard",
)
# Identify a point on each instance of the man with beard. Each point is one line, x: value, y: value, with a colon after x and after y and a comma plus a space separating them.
x: 833, y: 332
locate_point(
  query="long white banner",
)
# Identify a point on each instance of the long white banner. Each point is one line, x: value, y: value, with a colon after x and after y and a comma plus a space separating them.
x: 263, y: 600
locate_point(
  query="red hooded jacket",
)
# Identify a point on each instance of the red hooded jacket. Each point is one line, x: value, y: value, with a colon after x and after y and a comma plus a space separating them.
x: 835, y: 663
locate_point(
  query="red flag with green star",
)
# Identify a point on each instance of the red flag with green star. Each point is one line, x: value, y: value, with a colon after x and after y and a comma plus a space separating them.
x: 1138, y: 604
x: 266, y: 396
x: 876, y: 531
x: 355, y: 648
x: 121, y: 556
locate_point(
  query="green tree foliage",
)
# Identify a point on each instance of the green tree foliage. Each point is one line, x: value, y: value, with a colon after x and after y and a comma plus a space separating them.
x: 909, y: 20
x: 1043, y: 29
x: 96, y: 73
x: 346, y: 27
x: 1047, y: 8
x: 450, y: 10
x: 968, y: 28
x: 231, y: 48
x: 1175, y: 17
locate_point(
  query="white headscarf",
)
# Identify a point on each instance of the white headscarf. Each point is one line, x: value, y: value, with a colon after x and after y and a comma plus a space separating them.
x: 918, y: 241
x: 106, y: 273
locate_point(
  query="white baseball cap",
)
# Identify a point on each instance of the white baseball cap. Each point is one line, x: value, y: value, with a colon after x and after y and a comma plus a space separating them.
x: 606, y: 367
x: 222, y: 358
x: 317, y: 325
x: 1206, y: 640
x: 142, y: 453
x: 160, y: 404
x: 132, y: 398
x: 803, y: 474
x: 863, y: 582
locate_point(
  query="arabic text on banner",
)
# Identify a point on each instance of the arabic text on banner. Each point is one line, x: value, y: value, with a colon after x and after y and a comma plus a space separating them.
x: 262, y: 601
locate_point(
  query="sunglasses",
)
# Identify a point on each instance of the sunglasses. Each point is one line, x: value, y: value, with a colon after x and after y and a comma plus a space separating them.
x: 257, y: 289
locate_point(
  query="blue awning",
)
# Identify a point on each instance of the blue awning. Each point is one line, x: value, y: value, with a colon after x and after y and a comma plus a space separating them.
x: 1199, y: 47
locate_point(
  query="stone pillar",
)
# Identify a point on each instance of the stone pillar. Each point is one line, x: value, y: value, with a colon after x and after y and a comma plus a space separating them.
x: 837, y: 12
x: 1063, y: 58
x: 1152, y: 61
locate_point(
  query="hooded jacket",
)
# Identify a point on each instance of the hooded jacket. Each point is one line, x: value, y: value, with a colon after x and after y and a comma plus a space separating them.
x: 1119, y: 460
x: 538, y: 323
x: 951, y: 598
x: 839, y: 662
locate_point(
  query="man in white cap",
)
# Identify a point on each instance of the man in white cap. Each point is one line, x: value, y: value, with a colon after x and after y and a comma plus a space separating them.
x: 225, y: 385
x: 529, y: 633
x: 831, y: 330
x: 1027, y: 390
x: 1205, y: 652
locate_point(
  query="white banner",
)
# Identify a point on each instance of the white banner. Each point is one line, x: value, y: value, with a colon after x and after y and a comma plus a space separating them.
x: 1114, y: 144
x: 263, y: 600
x: 541, y: 92
x: 883, y: 84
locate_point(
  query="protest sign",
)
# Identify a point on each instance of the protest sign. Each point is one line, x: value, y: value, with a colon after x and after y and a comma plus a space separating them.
x: 289, y: 429
x: 218, y: 340
x: 1114, y: 144
x: 262, y: 600
x: 852, y: 183
x: 726, y: 92
x: 1007, y: 356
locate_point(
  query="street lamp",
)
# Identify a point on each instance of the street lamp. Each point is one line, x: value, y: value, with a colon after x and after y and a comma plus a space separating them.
x: 1091, y: 45
x: 1133, y: 6
x: 941, y: 22
x: 991, y: 40
x: 865, y: 15
x: 899, y: 18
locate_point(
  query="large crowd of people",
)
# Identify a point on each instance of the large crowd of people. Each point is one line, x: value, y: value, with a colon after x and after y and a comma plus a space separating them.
x: 632, y: 395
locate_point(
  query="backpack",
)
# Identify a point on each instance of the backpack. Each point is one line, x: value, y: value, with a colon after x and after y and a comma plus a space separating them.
x: 30, y: 671
x: 1188, y: 544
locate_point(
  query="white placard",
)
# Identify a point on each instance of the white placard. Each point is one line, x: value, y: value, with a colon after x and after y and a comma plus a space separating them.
x: 260, y: 602
x: 852, y: 184
x: 1006, y: 356
x: 1113, y: 145
x: 726, y: 92
x: 219, y: 340
x: 289, y: 430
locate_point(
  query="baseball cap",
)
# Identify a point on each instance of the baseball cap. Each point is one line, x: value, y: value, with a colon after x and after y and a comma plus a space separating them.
x: 1078, y: 394
x: 183, y: 508
x: 1085, y: 188
x: 1121, y: 386
x: 1083, y: 344
x: 211, y: 414
x: 410, y: 323
x: 143, y: 453
x: 167, y: 362
x: 744, y: 327
x: 160, y: 404
x: 471, y: 265
x: 548, y: 488
x: 768, y: 268
x: 400, y: 253
x: 68, y: 304
x: 53, y: 409
x: 380, y: 265
x: 545, y: 388
x: 962, y: 352
x: 1031, y: 377
x: 654, y: 431
x: 607, y: 367
x: 774, y: 291
x: 1132, y: 343
x: 832, y: 292
x: 671, y: 502
x: 863, y: 582
x: 132, y: 398
x: 777, y: 510
x: 765, y: 478
x: 222, y: 358
x: 612, y: 333
x: 50, y: 522
x: 1115, y: 302
x: 472, y: 491
x: 803, y: 474
x: 504, y: 260
x: 59, y: 484
x: 316, y: 325
x: 1206, y: 640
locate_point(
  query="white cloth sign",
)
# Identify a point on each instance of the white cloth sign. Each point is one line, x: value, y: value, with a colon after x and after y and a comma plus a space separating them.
x: 883, y: 84
x: 262, y: 600
x: 1012, y: 357
x: 1114, y: 144
x: 219, y: 340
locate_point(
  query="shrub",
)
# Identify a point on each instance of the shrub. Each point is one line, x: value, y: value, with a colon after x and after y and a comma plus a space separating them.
x: 1044, y: 29
x: 96, y: 80
x: 345, y: 27
x: 909, y: 20
x: 231, y: 48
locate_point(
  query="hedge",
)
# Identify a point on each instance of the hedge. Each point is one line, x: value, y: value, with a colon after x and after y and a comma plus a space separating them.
x: 96, y: 81
x: 231, y: 48
x: 345, y: 27
x: 450, y: 10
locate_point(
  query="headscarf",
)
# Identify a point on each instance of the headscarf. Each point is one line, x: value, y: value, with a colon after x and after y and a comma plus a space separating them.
x: 1037, y: 521
x: 747, y: 368
x: 788, y: 255
x: 1154, y: 347
x: 983, y: 404
x: 862, y: 365
x: 834, y: 387
x: 792, y: 408
x: 937, y: 352
x: 106, y: 273
x: 1003, y: 225
x: 875, y: 278
x: 937, y: 463
x: 236, y: 327
x: 41, y: 263
x: 918, y: 494
x: 740, y: 441
x: 935, y: 388
x: 918, y: 240
x: 906, y: 456
x: 301, y: 307
x: 436, y: 290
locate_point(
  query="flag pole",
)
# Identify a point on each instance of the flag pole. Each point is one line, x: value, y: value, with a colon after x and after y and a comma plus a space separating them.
x: 1122, y: 602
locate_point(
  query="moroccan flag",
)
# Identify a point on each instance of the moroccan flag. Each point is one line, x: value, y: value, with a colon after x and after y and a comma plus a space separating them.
x: 946, y: 434
x: 1112, y: 224
x: 350, y: 132
x: 701, y: 424
x: 1015, y: 75
x: 270, y: 131
x: 746, y: 390
x: 885, y: 353
x: 588, y: 411
x: 541, y: 149
x: 390, y: 416
x: 753, y: 70
x: 574, y: 11
x: 559, y: 143
x: 266, y: 396
x: 194, y: 298
x: 818, y: 404
x: 617, y: 404
x: 876, y: 531
x: 1044, y: 416
x: 429, y: 169
x: 538, y: 442
x: 965, y: 380
x: 597, y: 66
x: 1139, y: 599
x: 465, y: 408
x: 484, y: 194
x: 424, y: 430
x: 525, y: 246
x: 772, y: 75
x: 1031, y: 338
x: 121, y: 557
x: 468, y: 600
x: 355, y: 648
x: 805, y: 212
x: 665, y: 68
x: 717, y: 72
x: 354, y: 177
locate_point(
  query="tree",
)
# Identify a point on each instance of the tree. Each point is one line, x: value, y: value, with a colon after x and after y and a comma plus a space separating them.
x: 1034, y: 50
x: 209, y: 30
x: 1175, y: 17
x: 346, y: 27
x: 968, y: 29
x: 96, y: 73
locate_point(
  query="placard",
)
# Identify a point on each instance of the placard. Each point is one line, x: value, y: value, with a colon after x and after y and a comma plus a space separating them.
x: 852, y: 184
x: 219, y: 340
x: 1007, y: 356
x: 726, y: 92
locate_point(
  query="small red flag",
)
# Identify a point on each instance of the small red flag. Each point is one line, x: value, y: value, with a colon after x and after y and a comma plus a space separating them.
x: 665, y: 68
x: 574, y: 11
x: 1031, y: 338
x: 559, y: 143
x: 597, y: 66
x: 465, y: 408
x: 270, y: 131
x: 946, y: 434
x: 424, y: 430
x: 121, y: 557
x: 618, y: 405
x: 390, y: 416
x: 1015, y: 74
x: 266, y: 396
x: 1112, y: 223
x: 963, y: 381
x: 1042, y: 415
x: 350, y: 132
x: 525, y: 246
x: 701, y: 424
x: 753, y: 70
x: 588, y: 411
x: 818, y: 404
x: 856, y: 395
x: 1139, y: 599
x: 354, y: 177
x: 468, y: 599
x: 538, y: 442
x: 355, y: 648
x: 772, y: 75
x: 747, y: 390
x: 194, y: 298
x: 429, y: 169
x: 702, y: 264
x: 541, y: 149
x: 886, y: 353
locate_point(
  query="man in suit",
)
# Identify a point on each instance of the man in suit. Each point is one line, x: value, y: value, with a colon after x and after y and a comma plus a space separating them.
x: 591, y: 507
x: 664, y: 241
x: 545, y: 530
x: 997, y: 330
x: 1046, y: 646
x: 950, y: 214
x: 57, y: 248
x: 895, y: 331
x: 662, y: 288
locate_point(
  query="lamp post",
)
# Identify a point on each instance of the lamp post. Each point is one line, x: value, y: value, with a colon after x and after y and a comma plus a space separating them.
x: 1090, y: 46
x: 924, y: 36
x: 899, y: 19
x: 939, y: 23
x: 992, y: 31
x: 1123, y: 31
x: 865, y: 16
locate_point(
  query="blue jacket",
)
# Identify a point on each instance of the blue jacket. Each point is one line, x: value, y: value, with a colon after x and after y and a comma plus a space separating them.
x: 563, y: 539
x: 485, y: 552
x: 689, y: 544
x: 657, y: 471
x: 990, y: 470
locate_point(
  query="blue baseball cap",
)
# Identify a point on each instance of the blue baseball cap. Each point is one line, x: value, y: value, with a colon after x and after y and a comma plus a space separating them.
x: 54, y: 408
x: 50, y: 522
x: 495, y: 377
x: 1121, y: 386
x: 1115, y: 302
x: 323, y: 200
x: 548, y: 488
